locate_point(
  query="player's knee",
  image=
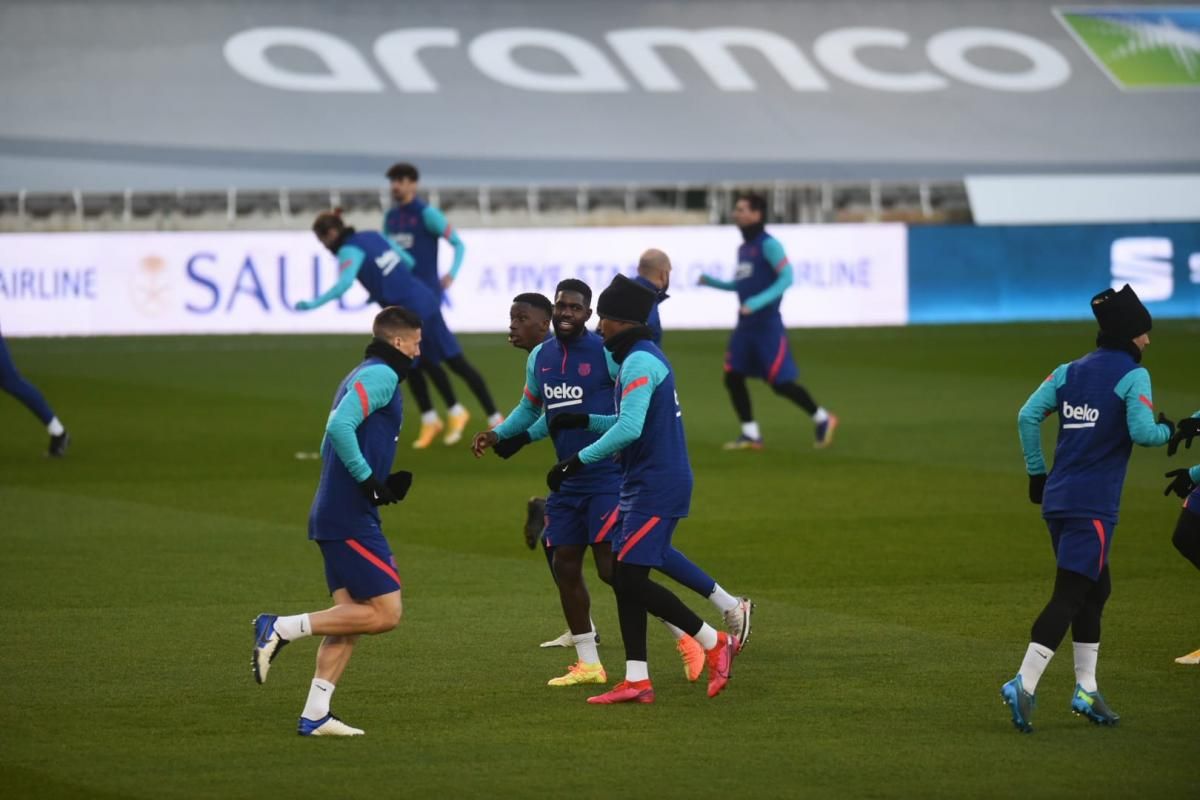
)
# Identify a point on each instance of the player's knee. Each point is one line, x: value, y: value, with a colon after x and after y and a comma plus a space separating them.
x: 387, y: 616
x: 734, y: 379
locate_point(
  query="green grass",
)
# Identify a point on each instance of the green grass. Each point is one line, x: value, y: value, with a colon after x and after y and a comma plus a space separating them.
x: 896, y: 577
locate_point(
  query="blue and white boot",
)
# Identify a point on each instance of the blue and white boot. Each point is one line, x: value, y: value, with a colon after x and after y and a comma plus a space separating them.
x: 1020, y: 702
x: 267, y: 644
x: 328, y: 725
x: 1092, y: 705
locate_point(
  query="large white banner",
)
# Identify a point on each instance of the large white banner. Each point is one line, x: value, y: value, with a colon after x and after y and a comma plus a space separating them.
x: 82, y: 284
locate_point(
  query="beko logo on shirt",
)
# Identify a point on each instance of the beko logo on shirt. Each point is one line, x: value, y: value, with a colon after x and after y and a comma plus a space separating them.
x: 565, y: 395
x: 1085, y: 416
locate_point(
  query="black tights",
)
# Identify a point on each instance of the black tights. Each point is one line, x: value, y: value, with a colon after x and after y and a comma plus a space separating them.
x: 739, y: 395
x: 637, y: 594
x: 1187, y: 536
x: 1077, y: 603
x: 441, y: 381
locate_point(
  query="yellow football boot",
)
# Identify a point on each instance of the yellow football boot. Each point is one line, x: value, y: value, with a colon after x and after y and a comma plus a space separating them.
x: 455, y: 425
x: 429, y: 432
x: 579, y: 673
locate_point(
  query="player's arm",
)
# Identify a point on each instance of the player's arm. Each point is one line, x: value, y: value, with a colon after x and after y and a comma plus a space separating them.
x: 1134, y: 390
x: 350, y: 261
x: 529, y: 410
x: 717, y: 283
x: 773, y: 252
x: 642, y: 374
x: 1040, y: 405
x: 372, y: 388
x: 437, y: 224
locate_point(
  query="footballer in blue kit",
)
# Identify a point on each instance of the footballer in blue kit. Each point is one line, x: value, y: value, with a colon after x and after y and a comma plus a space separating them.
x: 759, y: 346
x: 654, y: 273
x: 357, y: 454
x: 1104, y: 405
x: 1185, y: 483
x: 416, y: 227
x: 15, y: 384
x: 646, y: 434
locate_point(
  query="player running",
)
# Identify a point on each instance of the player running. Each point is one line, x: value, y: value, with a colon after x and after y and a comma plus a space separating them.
x: 416, y: 226
x: 1104, y: 406
x: 656, y: 488
x: 759, y: 345
x: 356, y: 453
x: 1185, y: 483
x: 15, y: 384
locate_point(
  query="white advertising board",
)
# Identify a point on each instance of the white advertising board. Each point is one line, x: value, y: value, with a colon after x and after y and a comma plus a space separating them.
x: 84, y: 284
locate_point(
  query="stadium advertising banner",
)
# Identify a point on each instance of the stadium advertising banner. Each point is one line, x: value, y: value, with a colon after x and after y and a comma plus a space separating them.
x: 84, y: 284
x: 1049, y: 272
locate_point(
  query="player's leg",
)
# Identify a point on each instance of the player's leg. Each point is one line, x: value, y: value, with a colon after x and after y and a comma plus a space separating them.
x: 1085, y: 634
x: 535, y: 521
x: 431, y: 423
x: 1187, y: 541
x: 475, y: 382
x: 824, y: 423
x: 15, y: 384
x: 781, y: 375
x: 740, y: 362
x: 333, y: 655
x: 567, y: 531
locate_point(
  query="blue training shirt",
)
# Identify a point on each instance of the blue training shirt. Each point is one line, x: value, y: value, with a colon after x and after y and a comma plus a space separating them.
x: 360, y: 441
x: 381, y: 268
x: 1104, y: 405
x: 763, y: 275
x: 416, y: 227
x: 654, y: 322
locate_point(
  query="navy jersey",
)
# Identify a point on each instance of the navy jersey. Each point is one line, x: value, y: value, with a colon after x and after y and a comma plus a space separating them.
x: 657, y: 473
x: 406, y: 226
x: 573, y: 377
x: 384, y: 275
x: 758, y: 273
x: 1104, y: 406
x: 653, y: 322
x: 360, y: 441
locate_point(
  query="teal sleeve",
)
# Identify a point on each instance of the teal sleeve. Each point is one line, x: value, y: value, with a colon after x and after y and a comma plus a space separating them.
x: 371, y: 389
x: 539, y: 430
x: 600, y: 423
x: 437, y: 224
x: 350, y: 260
x: 1134, y: 389
x: 640, y: 375
x: 1194, y: 473
x: 521, y: 418
x: 717, y: 283
x: 405, y: 256
x: 772, y: 292
x: 1041, y: 404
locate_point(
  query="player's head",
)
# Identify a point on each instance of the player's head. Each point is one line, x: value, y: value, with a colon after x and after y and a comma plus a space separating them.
x: 1124, y: 321
x: 403, y: 178
x: 529, y: 320
x: 331, y: 229
x: 750, y: 208
x: 399, y: 328
x: 625, y: 304
x: 572, y: 307
x: 655, y: 266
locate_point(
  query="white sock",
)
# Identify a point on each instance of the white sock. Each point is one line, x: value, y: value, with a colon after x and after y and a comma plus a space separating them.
x: 820, y: 416
x: 637, y: 671
x: 678, y: 634
x: 429, y: 418
x: 722, y: 599
x: 750, y: 430
x: 294, y: 627
x: 585, y: 647
x: 55, y: 428
x: 1036, y: 660
x: 455, y: 410
x: 318, y: 700
x: 707, y: 637
x: 1086, y: 654
x: 495, y: 419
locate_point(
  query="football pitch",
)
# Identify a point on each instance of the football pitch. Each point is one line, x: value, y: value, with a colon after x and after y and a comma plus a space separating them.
x: 896, y: 576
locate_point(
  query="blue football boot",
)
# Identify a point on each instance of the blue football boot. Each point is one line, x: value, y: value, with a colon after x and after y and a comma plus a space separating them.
x: 1020, y: 702
x: 267, y: 644
x: 1092, y: 705
x: 328, y: 725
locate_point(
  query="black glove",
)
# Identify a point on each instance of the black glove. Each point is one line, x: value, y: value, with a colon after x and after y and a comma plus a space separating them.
x: 1162, y: 420
x: 1181, y: 483
x: 378, y: 493
x: 399, y: 483
x: 563, y: 470
x: 1037, y: 487
x: 1186, y: 431
x: 561, y: 422
x: 507, y: 448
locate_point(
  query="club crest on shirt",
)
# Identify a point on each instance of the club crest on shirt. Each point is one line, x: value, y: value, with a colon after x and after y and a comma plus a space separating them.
x: 585, y: 369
